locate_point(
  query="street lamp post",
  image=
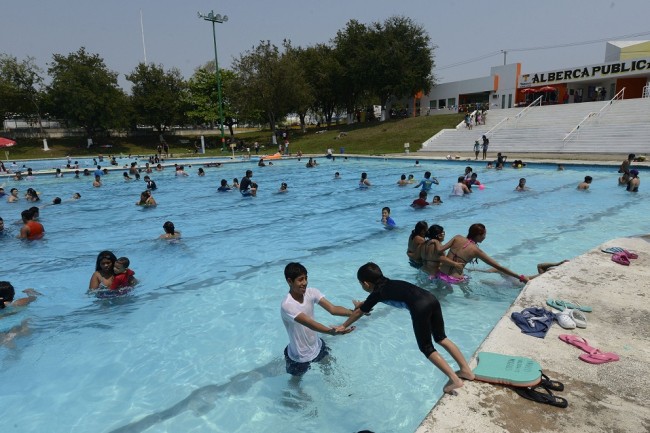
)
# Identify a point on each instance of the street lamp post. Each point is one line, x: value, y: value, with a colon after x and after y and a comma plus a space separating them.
x: 217, y: 19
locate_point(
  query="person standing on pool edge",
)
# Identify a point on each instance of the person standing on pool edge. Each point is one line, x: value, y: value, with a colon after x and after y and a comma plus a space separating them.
x: 426, y: 315
x: 297, y: 311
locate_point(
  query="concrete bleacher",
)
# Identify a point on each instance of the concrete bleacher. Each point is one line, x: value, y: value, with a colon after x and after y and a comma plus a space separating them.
x: 621, y: 126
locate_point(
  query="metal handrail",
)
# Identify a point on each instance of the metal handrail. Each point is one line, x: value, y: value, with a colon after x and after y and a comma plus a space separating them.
x: 609, y: 103
x: 497, y: 126
x: 525, y: 110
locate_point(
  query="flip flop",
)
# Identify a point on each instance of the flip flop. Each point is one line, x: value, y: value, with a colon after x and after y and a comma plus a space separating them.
x: 621, y: 259
x: 578, y: 342
x: 630, y: 254
x: 599, y: 357
x: 546, y: 397
x: 553, y: 385
x: 613, y: 250
x: 561, y: 305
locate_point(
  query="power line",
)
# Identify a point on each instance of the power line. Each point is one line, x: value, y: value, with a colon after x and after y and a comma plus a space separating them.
x: 547, y: 47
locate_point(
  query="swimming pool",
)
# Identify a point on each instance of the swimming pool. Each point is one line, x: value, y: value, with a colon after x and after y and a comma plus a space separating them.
x: 198, y: 345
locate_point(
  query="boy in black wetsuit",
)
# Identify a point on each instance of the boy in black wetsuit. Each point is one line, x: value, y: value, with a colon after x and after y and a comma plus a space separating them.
x: 426, y: 315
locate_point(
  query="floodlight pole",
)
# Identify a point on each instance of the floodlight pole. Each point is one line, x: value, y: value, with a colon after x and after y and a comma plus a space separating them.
x: 217, y: 19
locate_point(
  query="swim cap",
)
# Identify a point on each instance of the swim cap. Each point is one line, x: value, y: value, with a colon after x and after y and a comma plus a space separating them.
x: 634, y: 172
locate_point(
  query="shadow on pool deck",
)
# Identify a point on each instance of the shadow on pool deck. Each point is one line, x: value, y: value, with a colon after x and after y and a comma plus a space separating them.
x: 611, y: 397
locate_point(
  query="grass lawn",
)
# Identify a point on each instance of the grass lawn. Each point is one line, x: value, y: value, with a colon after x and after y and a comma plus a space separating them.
x: 367, y: 138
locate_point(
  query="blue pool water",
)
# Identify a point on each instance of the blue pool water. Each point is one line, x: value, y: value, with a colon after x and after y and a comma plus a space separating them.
x: 197, y: 346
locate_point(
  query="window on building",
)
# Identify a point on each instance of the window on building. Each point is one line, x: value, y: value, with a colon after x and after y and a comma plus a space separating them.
x: 441, y: 103
x: 432, y: 105
x: 451, y: 102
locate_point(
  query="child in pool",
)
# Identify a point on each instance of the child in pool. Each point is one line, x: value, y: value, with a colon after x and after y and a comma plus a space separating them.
x: 386, y: 220
x: 123, y: 275
x: 426, y: 315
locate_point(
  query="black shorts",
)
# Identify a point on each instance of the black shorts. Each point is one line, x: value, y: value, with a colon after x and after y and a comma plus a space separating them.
x: 299, y: 368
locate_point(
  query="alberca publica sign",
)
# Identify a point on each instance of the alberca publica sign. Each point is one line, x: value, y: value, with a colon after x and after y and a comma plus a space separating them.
x: 626, y: 67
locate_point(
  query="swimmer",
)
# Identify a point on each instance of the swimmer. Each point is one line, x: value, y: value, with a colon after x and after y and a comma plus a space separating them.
x: 159, y: 167
x: 8, y: 293
x: 426, y: 316
x: 151, y: 185
x: 402, y: 181
x: 411, y: 178
x: 283, y: 188
x: 460, y: 189
x: 260, y: 163
x: 235, y: 183
x: 146, y: 199
x: 201, y: 173
x: 57, y: 174
x: 386, y: 220
x: 522, y: 185
x: 126, y: 176
x: 170, y: 231
x: 57, y: 200
x: 585, y: 184
x: 364, y: 182
x: 420, y: 202
x: 417, y: 163
x: 432, y: 252
x: 464, y: 250
x: 103, y: 275
x: 297, y: 312
x: 337, y: 175
x: 123, y: 276
x: 76, y: 196
x: 224, y: 186
x: 489, y: 166
x: 31, y: 230
x: 97, y: 182
x: 416, y: 240
x: 625, y: 165
x: 180, y: 171
x: 245, y: 187
x: 13, y: 196
x: 2, y: 226
x: 436, y: 200
x: 32, y: 195
x: 560, y: 167
x: 427, y: 182
x: 634, y: 182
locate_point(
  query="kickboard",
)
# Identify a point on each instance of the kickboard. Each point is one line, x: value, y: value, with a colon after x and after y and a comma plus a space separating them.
x: 507, y: 369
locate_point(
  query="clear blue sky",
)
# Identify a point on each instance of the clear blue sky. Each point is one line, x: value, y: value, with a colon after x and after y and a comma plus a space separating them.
x: 176, y: 37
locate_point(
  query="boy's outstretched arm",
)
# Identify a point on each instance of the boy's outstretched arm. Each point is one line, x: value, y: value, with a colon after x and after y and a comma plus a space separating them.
x: 312, y: 324
x: 334, y: 310
x: 356, y: 314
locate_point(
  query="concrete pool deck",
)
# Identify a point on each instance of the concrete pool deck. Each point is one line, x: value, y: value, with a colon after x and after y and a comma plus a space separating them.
x: 611, y: 397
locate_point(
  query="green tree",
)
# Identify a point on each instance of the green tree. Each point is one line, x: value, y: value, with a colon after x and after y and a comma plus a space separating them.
x: 266, y: 82
x: 302, y: 97
x: 322, y: 71
x: 158, y: 96
x: 403, y: 58
x: 85, y: 93
x: 21, y: 87
x: 203, y: 101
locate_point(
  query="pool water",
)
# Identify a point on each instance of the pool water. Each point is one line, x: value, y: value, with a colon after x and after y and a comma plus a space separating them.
x: 197, y: 345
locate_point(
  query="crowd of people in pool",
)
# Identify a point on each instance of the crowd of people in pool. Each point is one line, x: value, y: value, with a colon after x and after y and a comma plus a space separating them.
x: 442, y: 262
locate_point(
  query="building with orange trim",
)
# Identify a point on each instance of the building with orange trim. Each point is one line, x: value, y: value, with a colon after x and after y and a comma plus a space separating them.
x: 626, y: 66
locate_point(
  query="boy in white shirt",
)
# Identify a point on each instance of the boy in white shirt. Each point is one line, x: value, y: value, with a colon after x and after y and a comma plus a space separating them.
x: 297, y: 311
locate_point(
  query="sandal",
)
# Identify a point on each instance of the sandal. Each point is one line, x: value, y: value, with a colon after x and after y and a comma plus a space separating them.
x: 553, y: 385
x: 542, y: 397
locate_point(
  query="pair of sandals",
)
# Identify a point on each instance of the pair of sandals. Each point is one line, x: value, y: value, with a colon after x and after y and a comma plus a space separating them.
x: 621, y: 255
x: 542, y: 393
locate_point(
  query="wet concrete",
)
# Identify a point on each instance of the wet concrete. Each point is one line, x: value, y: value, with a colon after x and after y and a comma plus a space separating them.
x: 611, y: 397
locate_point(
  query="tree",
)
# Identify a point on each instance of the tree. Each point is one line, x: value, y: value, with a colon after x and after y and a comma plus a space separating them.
x: 158, y: 96
x: 266, y: 82
x: 403, y: 57
x: 21, y: 85
x: 302, y: 98
x: 85, y: 92
x: 322, y: 71
x: 203, y: 101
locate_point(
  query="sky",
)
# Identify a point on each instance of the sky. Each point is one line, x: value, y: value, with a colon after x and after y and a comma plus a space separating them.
x: 176, y: 37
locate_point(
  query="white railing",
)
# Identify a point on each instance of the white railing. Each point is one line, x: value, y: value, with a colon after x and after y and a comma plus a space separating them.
x: 496, y: 127
x: 523, y: 112
x: 646, y: 91
x: 576, y: 129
